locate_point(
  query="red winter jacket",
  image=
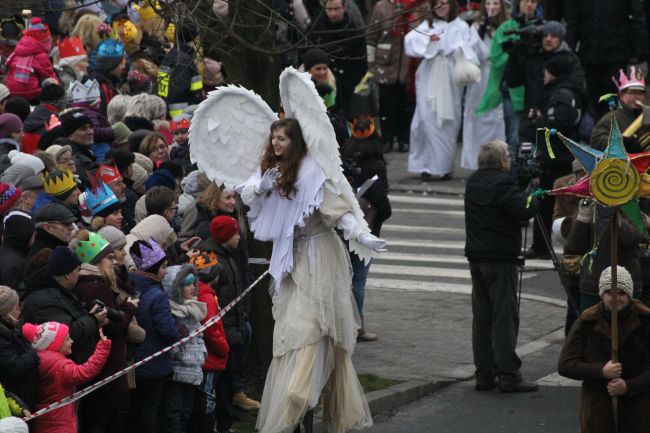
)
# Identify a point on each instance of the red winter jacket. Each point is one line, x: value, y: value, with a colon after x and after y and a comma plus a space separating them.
x: 58, y: 377
x: 214, y: 336
x: 41, y: 64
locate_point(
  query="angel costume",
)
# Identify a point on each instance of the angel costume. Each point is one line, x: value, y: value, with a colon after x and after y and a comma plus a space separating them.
x: 436, y: 121
x: 316, y: 320
x: 482, y: 128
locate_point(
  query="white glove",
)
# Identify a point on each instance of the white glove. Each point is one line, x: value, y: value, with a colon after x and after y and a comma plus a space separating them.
x: 267, y: 182
x: 372, y: 242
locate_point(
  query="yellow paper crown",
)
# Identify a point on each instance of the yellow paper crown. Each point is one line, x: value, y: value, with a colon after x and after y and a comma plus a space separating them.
x: 146, y: 11
x: 59, y: 182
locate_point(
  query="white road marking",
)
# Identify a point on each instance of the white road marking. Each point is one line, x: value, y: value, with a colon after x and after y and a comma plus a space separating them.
x: 435, y: 258
x: 421, y: 229
x: 554, y: 379
x: 409, y: 199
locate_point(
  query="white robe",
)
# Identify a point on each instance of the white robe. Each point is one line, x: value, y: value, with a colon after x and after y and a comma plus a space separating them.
x: 436, y: 121
x: 478, y: 130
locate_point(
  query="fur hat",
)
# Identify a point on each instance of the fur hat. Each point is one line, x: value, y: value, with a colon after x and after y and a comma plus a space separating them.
x: 223, y: 227
x: 176, y: 278
x: 8, y: 300
x: 47, y: 336
x: 624, y: 278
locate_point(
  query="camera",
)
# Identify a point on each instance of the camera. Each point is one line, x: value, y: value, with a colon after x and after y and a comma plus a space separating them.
x: 111, y: 313
x: 527, y: 165
x: 351, y: 168
x: 530, y: 39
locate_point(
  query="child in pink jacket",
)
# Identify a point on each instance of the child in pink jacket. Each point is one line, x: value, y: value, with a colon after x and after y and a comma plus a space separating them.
x: 59, y: 376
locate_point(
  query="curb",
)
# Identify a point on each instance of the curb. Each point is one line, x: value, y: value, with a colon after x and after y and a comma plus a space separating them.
x: 387, y: 399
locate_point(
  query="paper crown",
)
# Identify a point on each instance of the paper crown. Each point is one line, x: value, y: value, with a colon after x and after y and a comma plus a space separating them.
x: 204, y: 261
x: 108, y: 173
x: 52, y: 123
x: 100, y: 198
x: 126, y: 31
x: 180, y: 124
x: 366, y: 132
x: 147, y: 10
x: 634, y: 80
x: 71, y: 47
x: 87, y: 250
x: 150, y: 254
x: 110, y: 48
x: 58, y: 183
x: 84, y: 92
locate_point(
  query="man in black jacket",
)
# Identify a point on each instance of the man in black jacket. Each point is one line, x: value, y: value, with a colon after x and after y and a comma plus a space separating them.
x: 54, y: 226
x: 494, y: 209
x: 18, y: 237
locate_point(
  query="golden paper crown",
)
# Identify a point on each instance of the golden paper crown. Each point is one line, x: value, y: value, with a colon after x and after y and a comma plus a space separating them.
x: 59, y: 182
x: 146, y: 11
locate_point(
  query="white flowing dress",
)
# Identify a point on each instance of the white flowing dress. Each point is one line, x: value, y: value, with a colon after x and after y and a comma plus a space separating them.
x: 478, y: 130
x: 316, y: 320
x: 437, y: 117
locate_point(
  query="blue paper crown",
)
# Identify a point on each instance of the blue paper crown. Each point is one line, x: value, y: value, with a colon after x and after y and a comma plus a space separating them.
x: 100, y: 199
x: 110, y: 48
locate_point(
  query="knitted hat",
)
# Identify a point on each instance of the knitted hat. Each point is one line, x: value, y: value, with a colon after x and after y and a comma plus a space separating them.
x: 558, y: 65
x: 16, y: 174
x: 59, y: 184
x: 147, y: 255
x: 160, y: 178
x: 135, y: 139
x: 223, y: 227
x: 554, y: 28
x: 207, y: 266
x: 52, y: 91
x: 8, y: 300
x: 624, y: 278
x: 18, y: 106
x: 101, y: 201
x: 313, y: 57
x: 9, y: 195
x: 12, y: 424
x: 114, y: 236
x: 9, y: 124
x: 18, y: 229
x: 139, y: 82
x: 139, y: 177
x: 20, y: 158
x: 74, y: 120
x: 38, y: 30
x: 62, y: 261
x: 108, y: 55
x: 91, y: 247
x: 121, y: 132
x: 57, y: 150
x: 4, y: 92
x: 47, y: 336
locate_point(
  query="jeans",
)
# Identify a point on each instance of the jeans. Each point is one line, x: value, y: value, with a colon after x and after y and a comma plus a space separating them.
x: 495, y: 321
x: 239, y: 354
x: 359, y: 277
x: 177, y: 404
x: 145, y: 405
x: 512, y: 120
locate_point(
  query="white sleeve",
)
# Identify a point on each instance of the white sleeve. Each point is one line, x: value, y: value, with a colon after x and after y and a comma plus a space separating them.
x: 349, y: 226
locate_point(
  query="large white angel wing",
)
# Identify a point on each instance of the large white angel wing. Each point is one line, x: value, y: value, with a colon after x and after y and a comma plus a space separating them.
x: 300, y: 100
x: 228, y: 133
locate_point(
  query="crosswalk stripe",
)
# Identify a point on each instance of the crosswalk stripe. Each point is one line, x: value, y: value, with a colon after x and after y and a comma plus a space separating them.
x: 422, y: 271
x: 429, y: 286
x: 435, y: 258
x: 426, y: 200
x: 421, y: 243
x: 410, y: 210
x: 421, y: 229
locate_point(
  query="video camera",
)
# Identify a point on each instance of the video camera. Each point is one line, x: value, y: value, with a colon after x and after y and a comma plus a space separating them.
x: 111, y: 313
x: 530, y: 38
x: 351, y: 168
x: 528, y: 167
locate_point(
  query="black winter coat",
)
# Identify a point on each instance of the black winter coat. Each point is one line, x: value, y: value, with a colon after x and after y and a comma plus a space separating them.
x: 377, y: 194
x: 18, y: 364
x: 107, y: 89
x: 494, y: 209
x: 176, y: 76
x: 44, y: 240
x: 84, y: 160
x: 46, y: 301
x: 12, y: 266
x: 605, y: 31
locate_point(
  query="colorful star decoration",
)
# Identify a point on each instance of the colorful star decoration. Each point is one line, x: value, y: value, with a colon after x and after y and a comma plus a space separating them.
x: 614, y: 178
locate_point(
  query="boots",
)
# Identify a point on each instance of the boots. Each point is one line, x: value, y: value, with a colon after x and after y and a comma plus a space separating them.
x: 364, y: 336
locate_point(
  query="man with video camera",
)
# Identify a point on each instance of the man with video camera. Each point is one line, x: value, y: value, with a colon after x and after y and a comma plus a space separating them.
x: 554, y: 100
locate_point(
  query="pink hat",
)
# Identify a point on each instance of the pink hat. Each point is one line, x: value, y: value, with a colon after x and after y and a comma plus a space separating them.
x: 47, y: 336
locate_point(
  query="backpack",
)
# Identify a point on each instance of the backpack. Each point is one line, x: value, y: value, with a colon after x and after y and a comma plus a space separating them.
x: 587, y: 123
x: 23, y: 69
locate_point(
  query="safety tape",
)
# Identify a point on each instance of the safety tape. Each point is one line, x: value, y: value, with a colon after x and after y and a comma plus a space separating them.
x: 82, y: 393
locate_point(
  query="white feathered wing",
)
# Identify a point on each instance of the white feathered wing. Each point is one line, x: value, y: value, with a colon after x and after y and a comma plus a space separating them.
x: 301, y: 101
x: 228, y: 134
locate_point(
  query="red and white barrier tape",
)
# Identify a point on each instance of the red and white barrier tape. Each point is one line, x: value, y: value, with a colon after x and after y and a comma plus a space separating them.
x: 81, y: 393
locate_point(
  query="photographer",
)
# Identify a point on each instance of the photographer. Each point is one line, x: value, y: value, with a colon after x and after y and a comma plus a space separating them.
x: 553, y: 100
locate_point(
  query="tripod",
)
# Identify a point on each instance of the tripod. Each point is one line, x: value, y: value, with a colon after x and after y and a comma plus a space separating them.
x: 521, y: 262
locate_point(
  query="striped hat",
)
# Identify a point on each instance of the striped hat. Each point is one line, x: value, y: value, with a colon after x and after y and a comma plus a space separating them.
x: 47, y: 336
x: 9, y: 195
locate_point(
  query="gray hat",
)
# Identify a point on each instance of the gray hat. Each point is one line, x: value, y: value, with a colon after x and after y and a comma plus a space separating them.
x: 32, y: 183
x: 16, y: 174
x: 8, y: 300
x: 554, y: 28
x: 121, y: 133
x: 55, y: 212
x: 114, y: 236
x: 624, y: 278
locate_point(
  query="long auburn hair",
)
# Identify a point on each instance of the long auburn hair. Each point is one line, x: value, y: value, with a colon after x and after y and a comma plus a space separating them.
x: 289, y: 163
x: 502, y: 17
x: 453, y: 11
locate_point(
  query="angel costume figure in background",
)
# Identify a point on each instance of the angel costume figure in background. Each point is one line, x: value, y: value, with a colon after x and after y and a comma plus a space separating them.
x: 297, y: 195
x: 444, y: 43
x: 482, y: 128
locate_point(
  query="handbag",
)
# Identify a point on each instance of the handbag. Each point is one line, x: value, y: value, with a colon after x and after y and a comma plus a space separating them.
x: 465, y: 72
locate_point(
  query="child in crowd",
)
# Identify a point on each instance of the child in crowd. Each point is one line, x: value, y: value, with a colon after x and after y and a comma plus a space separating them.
x: 59, y: 376
x: 180, y: 151
x: 180, y: 283
x: 203, y: 416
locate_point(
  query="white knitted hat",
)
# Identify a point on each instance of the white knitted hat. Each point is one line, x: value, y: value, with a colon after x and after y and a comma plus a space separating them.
x: 13, y: 425
x: 624, y: 278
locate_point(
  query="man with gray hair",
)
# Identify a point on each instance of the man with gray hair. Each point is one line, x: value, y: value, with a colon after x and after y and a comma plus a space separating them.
x: 494, y: 209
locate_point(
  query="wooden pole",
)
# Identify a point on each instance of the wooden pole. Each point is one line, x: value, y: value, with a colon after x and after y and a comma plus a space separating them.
x: 614, y: 293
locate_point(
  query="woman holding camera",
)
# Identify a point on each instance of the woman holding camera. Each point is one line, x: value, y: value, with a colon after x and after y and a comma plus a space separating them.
x: 105, y: 409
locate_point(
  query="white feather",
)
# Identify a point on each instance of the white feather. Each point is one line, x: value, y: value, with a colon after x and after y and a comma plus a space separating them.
x: 228, y: 133
x: 301, y: 101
